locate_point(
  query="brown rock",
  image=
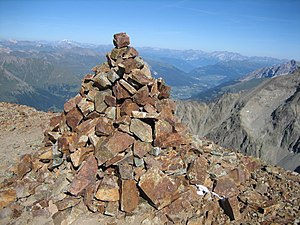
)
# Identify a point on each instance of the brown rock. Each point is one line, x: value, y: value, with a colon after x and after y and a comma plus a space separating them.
x: 197, y: 172
x: 162, y: 128
x: 170, y: 140
x: 239, y: 175
x: 234, y: 203
x: 104, y: 68
x: 104, y: 126
x: 125, y: 171
x: 141, y: 129
x: 6, y: 197
x: 130, y: 53
x: 67, y: 142
x: 149, y: 108
x: 164, y: 91
x: 110, y: 112
x: 73, y: 118
x: 80, y: 155
x: 108, y: 189
x: 110, y: 100
x: 127, y: 86
x: 85, y: 106
x: 112, y: 76
x: 142, y: 96
x: 127, y: 107
x: 118, y: 142
x: 85, y: 176
x: 24, y: 166
x: 141, y: 148
x: 139, y: 77
x: 226, y: 187
x: 120, y: 92
x: 87, y: 127
x: 101, y: 81
x: 171, y: 163
x: 55, y: 121
x: 121, y: 40
x: 118, y: 53
x: 67, y: 202
x: 100, y: 104
x: 146, y: 70
x: 71, y: 103
x: 159, y: 188
x: 88, y: 78
x: 129, y: 65
x: 129, y: 196
x: 112, y: 145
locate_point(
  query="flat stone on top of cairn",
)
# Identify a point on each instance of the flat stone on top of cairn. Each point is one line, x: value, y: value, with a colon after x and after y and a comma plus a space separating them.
x: 121, y: 40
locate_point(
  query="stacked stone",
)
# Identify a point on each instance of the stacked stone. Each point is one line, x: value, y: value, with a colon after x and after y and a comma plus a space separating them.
x: 121, y: 136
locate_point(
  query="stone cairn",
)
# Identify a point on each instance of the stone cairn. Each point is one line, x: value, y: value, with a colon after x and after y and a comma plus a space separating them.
x: 118, y: 150
x: 121, y: 135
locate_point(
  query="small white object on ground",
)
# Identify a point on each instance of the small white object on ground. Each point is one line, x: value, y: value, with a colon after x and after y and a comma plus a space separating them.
x: 202, y: 190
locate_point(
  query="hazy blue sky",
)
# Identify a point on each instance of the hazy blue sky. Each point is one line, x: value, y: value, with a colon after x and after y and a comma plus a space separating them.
x: 249, y: 27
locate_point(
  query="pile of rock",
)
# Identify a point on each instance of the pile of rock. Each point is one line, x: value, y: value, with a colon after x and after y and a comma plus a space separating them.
x: 118, y: 152
x: 123, y: 123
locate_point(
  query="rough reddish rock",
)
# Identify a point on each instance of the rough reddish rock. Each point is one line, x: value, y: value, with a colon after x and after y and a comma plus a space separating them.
x: 80, y: 155
x: 141, y: 129
x: 127, y: 107
x: 129, y: 65
x: 118, y: 142
x: 129, y: 196
x: 128, y: 86
x: 159, y: 188
x: 85, y: 176
x: 126, y: 171
x: 142, y: 96
x: 71, y: 103
x: 112, y: 145
x: 121, y: 40
x: 226, y: 187
x: 6, y: 197
x: 170, y: 140
x: 197, y: 172
x: 110, y: 100
x: 104, y: 126
x: 120, y: 92
x: 130, y: 53
x: 139, y: 77
x: 108, y: 189
x: 24, y: 166
x: 100, y: 104
x: 140, y: 148
x: 85, y: 106
x: 101, y: 81
x: 73, y: 118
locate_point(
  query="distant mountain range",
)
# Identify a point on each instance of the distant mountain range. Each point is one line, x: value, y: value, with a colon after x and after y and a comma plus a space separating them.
x: 44, y: 74
x: 262, y: 121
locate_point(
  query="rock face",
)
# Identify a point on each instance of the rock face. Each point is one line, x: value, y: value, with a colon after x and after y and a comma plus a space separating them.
x: 262, y: 122
x: 118, y: 151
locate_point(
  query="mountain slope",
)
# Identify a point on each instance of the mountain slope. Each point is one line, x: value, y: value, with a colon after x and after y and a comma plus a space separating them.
x: 262, y: 122
x: 246, y: 82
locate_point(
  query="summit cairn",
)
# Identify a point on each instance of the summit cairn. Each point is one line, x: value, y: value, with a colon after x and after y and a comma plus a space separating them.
x: 117, y: 154
x: 120, y: 135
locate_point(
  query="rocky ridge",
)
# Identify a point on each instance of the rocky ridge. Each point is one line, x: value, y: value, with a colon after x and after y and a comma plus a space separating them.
x: 118, y: 155
x: 262, y: 122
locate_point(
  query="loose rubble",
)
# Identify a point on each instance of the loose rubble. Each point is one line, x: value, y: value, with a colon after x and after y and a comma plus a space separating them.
x: 118, y: 155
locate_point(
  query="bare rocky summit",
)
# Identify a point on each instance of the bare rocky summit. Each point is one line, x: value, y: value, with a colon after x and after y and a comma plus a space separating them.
x: 119, y: 155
